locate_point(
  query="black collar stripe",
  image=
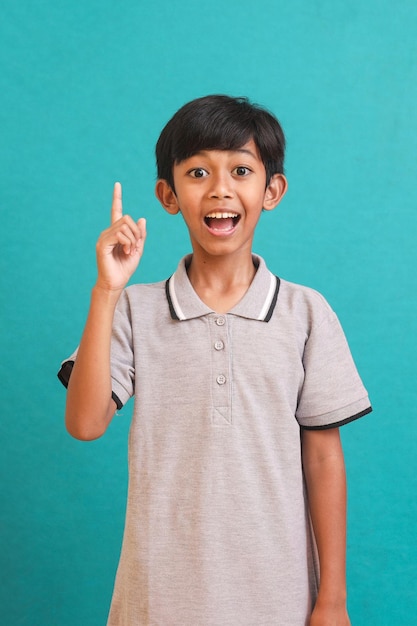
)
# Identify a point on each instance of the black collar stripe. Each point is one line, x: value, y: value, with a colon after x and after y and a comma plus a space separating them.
x: 170, y: 303
x: 274, y: 300
x: 177, y: 314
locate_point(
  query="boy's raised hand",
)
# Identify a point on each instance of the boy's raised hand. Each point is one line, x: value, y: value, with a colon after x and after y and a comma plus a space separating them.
x: 120, y: 247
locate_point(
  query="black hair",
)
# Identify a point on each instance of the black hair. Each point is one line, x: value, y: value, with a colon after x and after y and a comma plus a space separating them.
x: 220, y: 122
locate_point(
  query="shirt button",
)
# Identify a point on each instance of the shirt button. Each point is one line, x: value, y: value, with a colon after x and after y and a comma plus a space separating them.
x: 219, y: 345
x: 221, y: 379
x: 220, y: 321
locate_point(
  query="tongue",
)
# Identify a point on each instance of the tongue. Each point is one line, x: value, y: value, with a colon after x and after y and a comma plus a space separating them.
x: 224, y: 223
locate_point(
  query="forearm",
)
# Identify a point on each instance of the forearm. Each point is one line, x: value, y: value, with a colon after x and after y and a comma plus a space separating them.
x: 89, y: 407
x: 119, y: 248
x: 326, y: 488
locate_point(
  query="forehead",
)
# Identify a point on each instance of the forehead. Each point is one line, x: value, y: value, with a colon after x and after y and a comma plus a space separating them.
x: 248, y: 150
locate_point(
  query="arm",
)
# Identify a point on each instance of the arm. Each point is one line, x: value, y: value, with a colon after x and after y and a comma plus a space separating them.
x: 90, y: 407
x: 324, y: 472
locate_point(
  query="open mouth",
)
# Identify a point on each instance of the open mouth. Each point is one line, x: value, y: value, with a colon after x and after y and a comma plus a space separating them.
x: 222, y: 221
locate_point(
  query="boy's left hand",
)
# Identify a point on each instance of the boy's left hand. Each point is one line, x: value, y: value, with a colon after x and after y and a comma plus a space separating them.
x: 329, y: 616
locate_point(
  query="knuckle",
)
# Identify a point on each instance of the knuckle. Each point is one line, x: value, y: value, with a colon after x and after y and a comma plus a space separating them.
x: 124, y: 229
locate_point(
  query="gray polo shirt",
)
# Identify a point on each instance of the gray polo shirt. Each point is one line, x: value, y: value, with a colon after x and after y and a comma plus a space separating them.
x: 217, y: 527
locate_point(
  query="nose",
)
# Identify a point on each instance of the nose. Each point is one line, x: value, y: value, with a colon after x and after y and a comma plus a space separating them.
x: 221, y: 185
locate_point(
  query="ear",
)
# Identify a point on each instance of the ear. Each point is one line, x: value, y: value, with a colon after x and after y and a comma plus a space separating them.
x: 275, y: 191
x: 166, y: 196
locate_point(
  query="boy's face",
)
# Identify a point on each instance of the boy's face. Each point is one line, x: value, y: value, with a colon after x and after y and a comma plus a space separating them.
x: 220, y: 195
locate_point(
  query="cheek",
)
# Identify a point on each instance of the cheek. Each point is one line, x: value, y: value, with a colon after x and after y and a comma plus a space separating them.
x: 255, y: 198
x: 188, y: 197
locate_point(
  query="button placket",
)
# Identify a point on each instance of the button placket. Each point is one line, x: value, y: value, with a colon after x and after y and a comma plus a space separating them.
x: 221, y: 383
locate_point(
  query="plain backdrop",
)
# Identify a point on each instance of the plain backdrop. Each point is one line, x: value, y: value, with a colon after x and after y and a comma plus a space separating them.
x: 86, y: 87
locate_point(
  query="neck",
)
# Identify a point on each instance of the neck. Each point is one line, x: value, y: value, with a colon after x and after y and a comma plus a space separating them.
x: 221, y: 281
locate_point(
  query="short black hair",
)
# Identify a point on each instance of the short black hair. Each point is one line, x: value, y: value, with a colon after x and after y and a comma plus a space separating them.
x: 220, y: 122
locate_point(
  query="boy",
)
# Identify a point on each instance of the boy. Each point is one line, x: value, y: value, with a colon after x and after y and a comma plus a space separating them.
x: 241, y: 380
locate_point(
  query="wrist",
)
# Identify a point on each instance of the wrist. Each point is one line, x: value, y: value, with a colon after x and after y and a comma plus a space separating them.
x: 331, y: 599
x: 105, y: 295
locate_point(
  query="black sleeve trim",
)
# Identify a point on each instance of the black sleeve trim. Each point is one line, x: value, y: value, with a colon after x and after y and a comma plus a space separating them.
x: 64, y: 375
x: 118, y: 402
x: 341, y: 423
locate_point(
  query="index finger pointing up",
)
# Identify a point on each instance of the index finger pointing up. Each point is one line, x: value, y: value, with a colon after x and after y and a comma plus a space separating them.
x: 116, y: 207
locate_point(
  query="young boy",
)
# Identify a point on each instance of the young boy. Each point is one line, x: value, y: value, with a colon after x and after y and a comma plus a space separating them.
x: 236, y: 507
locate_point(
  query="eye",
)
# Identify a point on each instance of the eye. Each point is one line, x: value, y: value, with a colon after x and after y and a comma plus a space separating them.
x: 241, y: 170
x: 198, y: 172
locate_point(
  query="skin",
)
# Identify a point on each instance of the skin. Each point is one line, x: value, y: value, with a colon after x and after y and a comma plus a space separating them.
x: 210, y: 183
x: 89, y: 407
x: 325, y: 476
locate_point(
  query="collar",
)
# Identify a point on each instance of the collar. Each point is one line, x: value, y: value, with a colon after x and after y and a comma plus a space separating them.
x: 258, y: 303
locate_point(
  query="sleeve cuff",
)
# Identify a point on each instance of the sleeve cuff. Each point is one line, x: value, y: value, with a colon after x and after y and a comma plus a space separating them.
x: 336, y: 418
x: 347, y: 420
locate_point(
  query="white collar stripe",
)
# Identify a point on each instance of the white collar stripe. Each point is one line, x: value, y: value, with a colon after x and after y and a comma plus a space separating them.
x: 174, y: 299
x: 268, y: 301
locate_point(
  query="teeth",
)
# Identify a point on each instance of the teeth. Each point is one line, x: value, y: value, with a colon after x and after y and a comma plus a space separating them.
x: 218, y: 216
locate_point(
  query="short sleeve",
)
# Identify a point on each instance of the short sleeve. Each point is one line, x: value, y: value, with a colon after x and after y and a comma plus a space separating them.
x: 122, y: 360
x: 333, y: 393
x: 122, y: 353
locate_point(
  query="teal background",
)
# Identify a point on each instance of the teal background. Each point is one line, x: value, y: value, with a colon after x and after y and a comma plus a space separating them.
x: 85, y: 90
